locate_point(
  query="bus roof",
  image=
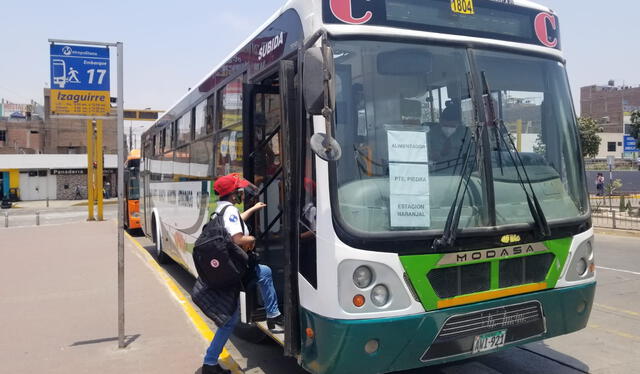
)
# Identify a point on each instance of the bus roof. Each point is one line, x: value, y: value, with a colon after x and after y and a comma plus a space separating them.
x: 311, y: 12
x: 133, y: 155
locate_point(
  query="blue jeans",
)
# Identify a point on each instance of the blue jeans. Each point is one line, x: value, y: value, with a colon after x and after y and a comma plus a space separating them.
x: 265, y: 284
x: 268, y: 292
x: 220, y: 339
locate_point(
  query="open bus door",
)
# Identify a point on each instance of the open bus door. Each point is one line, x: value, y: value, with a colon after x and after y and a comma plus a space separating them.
x: 269, y: 112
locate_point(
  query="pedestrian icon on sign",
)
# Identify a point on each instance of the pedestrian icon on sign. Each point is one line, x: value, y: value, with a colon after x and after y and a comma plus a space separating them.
x: 73, y: 76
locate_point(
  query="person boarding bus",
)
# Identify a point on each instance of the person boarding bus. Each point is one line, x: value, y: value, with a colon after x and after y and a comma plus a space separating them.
x: 226, y: 311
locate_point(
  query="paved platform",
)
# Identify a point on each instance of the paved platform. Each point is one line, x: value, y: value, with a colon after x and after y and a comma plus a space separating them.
x: 56, y: 204
x: 58, y: 297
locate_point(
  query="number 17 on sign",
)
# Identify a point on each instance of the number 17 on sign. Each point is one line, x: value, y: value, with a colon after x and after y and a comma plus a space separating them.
x: 101, y: 73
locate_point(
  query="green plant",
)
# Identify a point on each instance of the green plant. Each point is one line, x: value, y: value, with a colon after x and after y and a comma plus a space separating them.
x: 589, y: 137
x: 612, y: 187
x: 623, y: 204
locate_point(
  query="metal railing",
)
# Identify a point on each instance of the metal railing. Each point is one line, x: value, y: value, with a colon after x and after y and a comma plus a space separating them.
x: 616, y: 212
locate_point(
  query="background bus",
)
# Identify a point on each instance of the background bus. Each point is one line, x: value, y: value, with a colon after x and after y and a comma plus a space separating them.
x: 132, y: 192
x: 456, y: 221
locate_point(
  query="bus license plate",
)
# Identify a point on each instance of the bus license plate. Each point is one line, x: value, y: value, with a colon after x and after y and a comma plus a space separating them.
x: 489, y: 341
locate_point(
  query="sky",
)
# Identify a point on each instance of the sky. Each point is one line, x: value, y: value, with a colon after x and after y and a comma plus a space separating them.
x: 171, y: 45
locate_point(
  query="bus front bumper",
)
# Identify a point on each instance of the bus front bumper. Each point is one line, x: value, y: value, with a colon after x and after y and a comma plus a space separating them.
x: 338, y: 346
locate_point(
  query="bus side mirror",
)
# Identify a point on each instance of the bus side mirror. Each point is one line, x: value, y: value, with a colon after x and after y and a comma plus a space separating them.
x: 314, y: 79
x: 319, y: 99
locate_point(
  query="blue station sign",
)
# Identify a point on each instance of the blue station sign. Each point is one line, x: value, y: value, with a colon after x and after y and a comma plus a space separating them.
x: 630, y: 144
x: 79, y: 68
x: 80, y: 80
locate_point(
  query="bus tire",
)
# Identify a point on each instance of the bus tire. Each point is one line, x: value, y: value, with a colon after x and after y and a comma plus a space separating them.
x: 249, y: 332
x: 161, y: 257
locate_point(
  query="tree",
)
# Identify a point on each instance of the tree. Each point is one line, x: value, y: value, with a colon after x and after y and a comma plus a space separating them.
x: 539, y: 147
x: 634, y: 128
x: 589, y: 137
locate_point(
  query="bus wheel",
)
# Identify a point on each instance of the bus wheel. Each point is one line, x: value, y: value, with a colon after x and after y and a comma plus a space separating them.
x: 249, y: 332
x: 161, y: 257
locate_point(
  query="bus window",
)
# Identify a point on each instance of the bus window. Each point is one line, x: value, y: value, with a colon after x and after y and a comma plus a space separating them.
x: 210, y: 113
x: 230, y: 104
x: 200, y: 120
x: 201, y: 164
x: 163, y: 140
x: 229, y: 145
x: 184, y: 129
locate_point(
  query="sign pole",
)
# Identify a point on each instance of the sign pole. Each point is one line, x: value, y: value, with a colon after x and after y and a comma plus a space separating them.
x: 90, y: 170
x: 100, y: 170
x: 79, y: 72
x: 121, y: 158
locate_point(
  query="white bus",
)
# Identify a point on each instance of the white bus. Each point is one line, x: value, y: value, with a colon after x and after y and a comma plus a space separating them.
x: 421, y: 167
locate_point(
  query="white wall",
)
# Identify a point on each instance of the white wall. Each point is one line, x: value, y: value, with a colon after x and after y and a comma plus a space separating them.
x: 37, y: 188
x: 610, y: 137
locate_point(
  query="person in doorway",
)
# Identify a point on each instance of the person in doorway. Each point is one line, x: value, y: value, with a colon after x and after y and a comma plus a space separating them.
x: 599, y: 184
x: 230, y: 189
x: 78, y: 195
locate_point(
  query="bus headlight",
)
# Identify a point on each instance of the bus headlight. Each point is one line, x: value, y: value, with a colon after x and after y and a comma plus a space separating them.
x: 380, y: 295
x: 582, y: 266
x: 362, y: 277
x: 366, y: 286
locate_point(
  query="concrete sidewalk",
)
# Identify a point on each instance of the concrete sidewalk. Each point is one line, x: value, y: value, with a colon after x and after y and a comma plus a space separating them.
x: 58, y: 302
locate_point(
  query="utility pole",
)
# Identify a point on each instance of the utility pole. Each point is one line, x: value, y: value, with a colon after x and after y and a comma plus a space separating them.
x: 130, y: 136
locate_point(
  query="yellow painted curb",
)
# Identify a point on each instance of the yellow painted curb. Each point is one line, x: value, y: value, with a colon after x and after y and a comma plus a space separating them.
x: 186, y: 305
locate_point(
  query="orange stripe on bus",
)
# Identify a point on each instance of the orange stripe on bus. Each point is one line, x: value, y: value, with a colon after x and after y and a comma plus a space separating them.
x: 489, y: 295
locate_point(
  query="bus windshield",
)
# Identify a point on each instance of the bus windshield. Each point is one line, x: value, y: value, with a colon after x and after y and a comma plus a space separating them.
x: 408, y: 125
x: 133, y: 179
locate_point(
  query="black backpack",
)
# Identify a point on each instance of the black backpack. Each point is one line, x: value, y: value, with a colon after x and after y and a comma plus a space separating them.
x: 219, y: 261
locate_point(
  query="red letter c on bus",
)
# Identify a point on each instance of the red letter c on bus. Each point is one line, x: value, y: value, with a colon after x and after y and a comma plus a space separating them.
x: 542, y: 29
x: 341, y: 9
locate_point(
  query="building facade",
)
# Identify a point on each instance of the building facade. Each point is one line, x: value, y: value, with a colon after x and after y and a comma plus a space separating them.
x: 54, y: 177
x: 608, y: 104
x: 30, y: 129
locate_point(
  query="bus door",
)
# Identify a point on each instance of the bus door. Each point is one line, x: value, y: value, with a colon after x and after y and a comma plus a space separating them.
x: 267, y: 113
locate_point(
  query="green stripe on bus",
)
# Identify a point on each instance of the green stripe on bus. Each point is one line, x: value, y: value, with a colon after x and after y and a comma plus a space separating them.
x: 419, y: 266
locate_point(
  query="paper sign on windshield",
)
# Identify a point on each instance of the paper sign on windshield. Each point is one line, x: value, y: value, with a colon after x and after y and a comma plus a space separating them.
x: 409, y: 179
x: 410, y: 211
x: 407, y: 146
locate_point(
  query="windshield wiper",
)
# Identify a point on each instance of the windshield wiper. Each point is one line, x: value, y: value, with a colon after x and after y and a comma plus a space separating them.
x: 532, y: 200
x: 453, y: 218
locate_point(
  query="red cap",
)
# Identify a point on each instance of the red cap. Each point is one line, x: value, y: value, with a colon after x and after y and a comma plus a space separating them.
x: 229, y: 183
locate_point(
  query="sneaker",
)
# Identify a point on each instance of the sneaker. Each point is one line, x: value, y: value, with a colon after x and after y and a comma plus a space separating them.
x: 276, y: 323
x: 214, y: 369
